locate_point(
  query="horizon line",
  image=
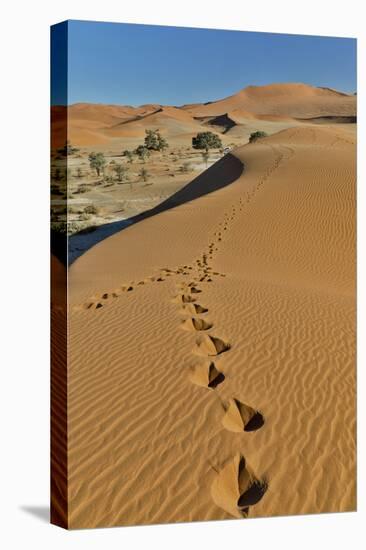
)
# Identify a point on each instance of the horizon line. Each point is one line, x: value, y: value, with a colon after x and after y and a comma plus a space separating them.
x: 348, y: 93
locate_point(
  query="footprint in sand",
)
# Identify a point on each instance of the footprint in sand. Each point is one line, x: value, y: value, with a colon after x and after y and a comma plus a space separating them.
x: 236, y: 487
x: 207, y: 375
x: 184, y: 299
x: 194, y: 290
x: 240, y: 417
x: 211, y: 346
x: 192, y: 309
x: 196, y: 324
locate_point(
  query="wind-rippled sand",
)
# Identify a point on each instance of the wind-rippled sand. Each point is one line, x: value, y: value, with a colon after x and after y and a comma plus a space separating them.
x: 212, y: 346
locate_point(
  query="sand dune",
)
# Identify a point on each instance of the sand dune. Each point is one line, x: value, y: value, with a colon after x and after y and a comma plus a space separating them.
x: 290, y: 100
x: 87, y: 122
x: 267, y: 106
x: 271, y: 255
x: 169, y: 120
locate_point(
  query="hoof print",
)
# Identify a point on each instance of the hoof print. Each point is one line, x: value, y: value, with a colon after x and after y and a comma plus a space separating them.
x: 195, y: 323
x: 207, y: 376
x: 236, y: 488
x: 240, y: 417
x: 184, y: 299
x: 210, y: 345
x: 192, y: 309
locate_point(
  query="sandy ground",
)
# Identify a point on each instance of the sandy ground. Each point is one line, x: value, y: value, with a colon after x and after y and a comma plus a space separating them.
x: 87, y: 201
x: 212, y: 346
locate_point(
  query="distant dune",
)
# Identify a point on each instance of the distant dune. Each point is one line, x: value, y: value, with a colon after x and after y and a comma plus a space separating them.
x: 212, y: 345
x: 289, y: 100
x: 170, y: 120
x: 96, y: 124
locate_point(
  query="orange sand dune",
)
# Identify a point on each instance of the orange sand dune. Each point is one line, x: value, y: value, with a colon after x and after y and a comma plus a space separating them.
x: 107, y: 115
x: 241, y: 116
x: 169, y: 120
x: 160, y: 403
x: 93, y: 124
x: 290, y: 100
x: 87, y: 121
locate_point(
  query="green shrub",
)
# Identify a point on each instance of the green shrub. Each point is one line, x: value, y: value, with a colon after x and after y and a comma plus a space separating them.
x: 206, y: 141
x: 257, y: 135
x: 129, y: 155
x: 97, y: 162
x: 154, y: 141
x: 91, y: 209
x: 142, y: 152
x: 121, y: 172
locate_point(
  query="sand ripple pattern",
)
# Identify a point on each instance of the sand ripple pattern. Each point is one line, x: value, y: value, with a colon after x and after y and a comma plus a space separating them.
x: 217, y: 377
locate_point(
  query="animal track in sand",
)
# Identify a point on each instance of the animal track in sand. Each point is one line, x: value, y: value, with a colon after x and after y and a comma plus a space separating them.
x: 197, y: 324
x: 194, y: 308
x: 236, y: 487
x: 184, y: 299
x: 211, y: 345
x: 194, y: 290
x: 207, y: 375
x: 106, y: 296
x: 240, y: 417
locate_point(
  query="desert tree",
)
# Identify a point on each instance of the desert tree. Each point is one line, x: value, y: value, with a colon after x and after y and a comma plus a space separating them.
x: 205, y: 156
x: 121, y: 172
x: 258, y: 134
x: 97, y: 162
x: 129, y: 155
x: 151, y: 140
x: 206, y: 141
x: 142, y: 152
x: 162, y: 143
x: 154, y: 141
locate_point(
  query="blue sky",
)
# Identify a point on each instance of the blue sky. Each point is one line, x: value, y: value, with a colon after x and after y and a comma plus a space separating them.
x: 135, y: 64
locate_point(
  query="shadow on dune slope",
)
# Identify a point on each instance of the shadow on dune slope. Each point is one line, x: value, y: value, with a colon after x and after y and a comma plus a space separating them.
x: 219, y: 175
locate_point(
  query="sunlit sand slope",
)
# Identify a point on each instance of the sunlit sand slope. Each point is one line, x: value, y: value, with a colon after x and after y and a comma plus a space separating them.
x: 212, y: 354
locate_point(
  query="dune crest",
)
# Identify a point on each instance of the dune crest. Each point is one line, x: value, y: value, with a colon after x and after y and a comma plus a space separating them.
x: 98, y: 124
